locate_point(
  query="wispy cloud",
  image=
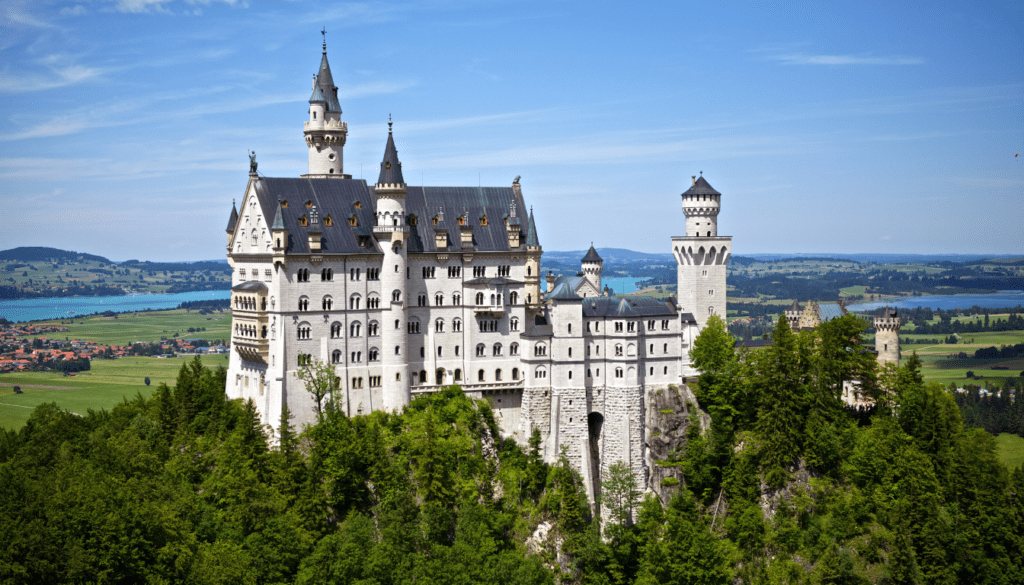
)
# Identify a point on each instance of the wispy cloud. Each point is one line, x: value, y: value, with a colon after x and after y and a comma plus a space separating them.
x: 63, y: 71
x: 805, y: 59
x: 17, y: 14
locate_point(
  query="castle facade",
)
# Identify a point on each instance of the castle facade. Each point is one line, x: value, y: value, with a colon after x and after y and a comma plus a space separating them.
x: 404, y: 290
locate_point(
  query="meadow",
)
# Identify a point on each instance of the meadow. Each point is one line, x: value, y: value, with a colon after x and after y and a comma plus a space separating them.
x: 106, y: 384
x: 1010, y: 449
x: 127, y: 328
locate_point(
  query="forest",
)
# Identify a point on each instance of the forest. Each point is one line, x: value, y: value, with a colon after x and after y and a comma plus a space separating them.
x: 779, y: 484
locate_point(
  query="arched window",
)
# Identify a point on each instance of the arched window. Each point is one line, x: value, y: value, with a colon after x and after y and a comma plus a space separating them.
x: 336, y: 356
x: 439, y: 376
x: 373, y: 301
x: 373, y: 354
x: 492, y: 301
x: 479, y: 298
x: 513, y: 324
x: 396, y: 296
x: 439, y: 326
x: 327, y: 303
x: 631, y: 350
x: 496, y: 350
x: 480, y: 376
x: 513, y: 349
x: 304, y: 304
x: 540, y: 349
x: 540, y: 373
x: 372, y: 329
x: 515, y: 374
x: 497, y: 375
x: 513, y: 298
x: 456, y: 299
x: 480, y: 349
x: 456, y: 325
x: 353, y: 302
x: 354, y: 329
x: 618, y: 349
x: 423, y: 376
x: 457, y: 376
x: 335, y: 330
x: 439, y: 299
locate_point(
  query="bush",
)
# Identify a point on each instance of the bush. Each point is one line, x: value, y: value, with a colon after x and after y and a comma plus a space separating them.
x: 17, y: 389
x: 147, y: 380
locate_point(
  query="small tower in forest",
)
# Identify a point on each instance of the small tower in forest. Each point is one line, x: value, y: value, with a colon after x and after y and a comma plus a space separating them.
x: 887, y: 337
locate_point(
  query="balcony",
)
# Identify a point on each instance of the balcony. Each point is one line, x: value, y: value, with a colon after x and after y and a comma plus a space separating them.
x: 496, y: 310
x: 252, y: 350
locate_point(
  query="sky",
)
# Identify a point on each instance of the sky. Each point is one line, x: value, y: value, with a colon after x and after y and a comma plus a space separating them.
x: 853, y: 127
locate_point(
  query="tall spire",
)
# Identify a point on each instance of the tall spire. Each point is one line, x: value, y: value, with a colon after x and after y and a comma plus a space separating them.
x: 531, y: 232
x: 390, y: 167
x: 233, y: 220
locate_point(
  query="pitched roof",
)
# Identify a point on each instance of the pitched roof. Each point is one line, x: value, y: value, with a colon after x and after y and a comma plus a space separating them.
x: 829, y: 311
x: 233, y: 219
x: 390, y: 167
x: 795, y: 306
x: 563, y: 292
x: 531, y: 232
x: 701, y: 187
x: 318, y: 95
x: 249, y: 286
x: 338, y: 198
x: 630, y: 306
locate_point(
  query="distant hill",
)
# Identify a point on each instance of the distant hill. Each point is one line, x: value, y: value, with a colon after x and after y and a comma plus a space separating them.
x: 609, y: 255
x: 40, y: 254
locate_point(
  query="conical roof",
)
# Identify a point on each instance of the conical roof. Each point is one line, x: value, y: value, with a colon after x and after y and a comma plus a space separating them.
x: 323, y: 76
x: 318, y: 95
x: 701, y: 187
x: 233, y: 220
x: 592, y: 255
x: 278, y: 218
x: 531, y: 232
x: 390, y: 167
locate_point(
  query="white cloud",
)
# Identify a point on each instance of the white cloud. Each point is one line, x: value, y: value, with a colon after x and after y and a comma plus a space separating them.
x: 77, y: 10
x: 810, y: 59
x: 16, y: 14
x: 63, y: 71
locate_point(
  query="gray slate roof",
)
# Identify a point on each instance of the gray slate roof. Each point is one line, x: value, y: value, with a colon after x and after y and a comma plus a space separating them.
x: 628, y: 307
x: 390, y: 166
x: 233, y: 219
x: 829, y: 311
x: 701, y: 187
x: 336, y: 198
x: 249, y: 286
x: 318, y: 95
x: 531, y: 232
x: 592, y: 255
x: 563, y: 292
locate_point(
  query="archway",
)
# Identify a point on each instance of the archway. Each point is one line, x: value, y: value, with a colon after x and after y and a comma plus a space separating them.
x: 440, y: 376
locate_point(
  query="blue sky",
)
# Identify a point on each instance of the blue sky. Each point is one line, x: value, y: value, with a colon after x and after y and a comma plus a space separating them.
x: 858, y: 127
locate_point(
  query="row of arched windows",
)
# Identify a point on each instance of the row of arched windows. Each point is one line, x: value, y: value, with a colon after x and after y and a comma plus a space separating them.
x: 249, y: 303
x: 481, y: 349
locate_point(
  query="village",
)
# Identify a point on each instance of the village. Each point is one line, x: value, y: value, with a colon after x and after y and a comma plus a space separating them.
x: 32, y: 347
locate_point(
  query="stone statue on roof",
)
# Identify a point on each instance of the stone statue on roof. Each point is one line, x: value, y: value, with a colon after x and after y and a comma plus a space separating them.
x: 252, y: 161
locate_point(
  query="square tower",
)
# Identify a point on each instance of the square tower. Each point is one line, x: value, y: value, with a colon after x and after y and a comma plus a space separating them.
x: 702, y: 256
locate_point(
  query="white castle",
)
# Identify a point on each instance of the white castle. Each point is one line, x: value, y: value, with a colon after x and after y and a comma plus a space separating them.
x: 404, y: 290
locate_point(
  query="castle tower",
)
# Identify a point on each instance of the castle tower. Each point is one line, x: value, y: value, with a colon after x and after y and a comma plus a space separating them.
x: 887, y: 337
x: 325, y: 132
x: 591, y: 267
x: 701, y: 255
x: 391, y: 232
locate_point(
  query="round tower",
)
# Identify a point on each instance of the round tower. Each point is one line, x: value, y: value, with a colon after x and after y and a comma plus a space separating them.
x: 325, y: 132
x: 591, y: 265
x: 701, y: 204
x: 392, y: 234
x: 887, y: 337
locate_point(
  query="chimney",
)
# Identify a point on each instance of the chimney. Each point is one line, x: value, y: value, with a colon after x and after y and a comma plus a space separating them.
x: 693, y: 180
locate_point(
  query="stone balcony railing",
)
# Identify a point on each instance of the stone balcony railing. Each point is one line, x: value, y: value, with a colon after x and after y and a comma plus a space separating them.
x: 328, y: 125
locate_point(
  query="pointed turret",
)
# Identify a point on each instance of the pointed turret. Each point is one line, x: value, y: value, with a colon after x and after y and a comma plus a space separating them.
x: 390, y: 167
x: 592, y: 255
x: 591, y: 265
x: 278, y: 218
x: 233, y: 220
x: 279, y: 234
x: 531, y: 232
x: 325, y: 132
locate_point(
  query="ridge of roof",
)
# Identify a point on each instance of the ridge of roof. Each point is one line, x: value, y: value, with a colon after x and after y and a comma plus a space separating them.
x: 564, y: 292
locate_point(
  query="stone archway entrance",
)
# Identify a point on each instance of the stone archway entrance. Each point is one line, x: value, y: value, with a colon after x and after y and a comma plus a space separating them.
x: 595, y: 421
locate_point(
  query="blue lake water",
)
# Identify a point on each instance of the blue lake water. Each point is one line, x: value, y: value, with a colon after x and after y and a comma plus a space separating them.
x: 999, y: 300
x: 65, y: 307
x: 619, y: 284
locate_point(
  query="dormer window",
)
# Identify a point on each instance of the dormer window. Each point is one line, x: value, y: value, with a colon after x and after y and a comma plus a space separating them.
x: 387, y: 165
x: 358, y: 205
x: 435, y: 220
x: 284, y: 203
x: 303, y: 221
x: 328, y: 221
x: 309, y: 204
x: 353, y: 221
x: 483, y: 220
x: 462, y: 220
x: 412, y: 220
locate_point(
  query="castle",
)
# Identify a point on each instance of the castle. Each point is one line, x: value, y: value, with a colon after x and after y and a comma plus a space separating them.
x: 404, y: 290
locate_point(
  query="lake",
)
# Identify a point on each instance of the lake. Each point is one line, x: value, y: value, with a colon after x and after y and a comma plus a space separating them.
x: 619, y: 284
x: 65, y: 307
x: 999, y: 300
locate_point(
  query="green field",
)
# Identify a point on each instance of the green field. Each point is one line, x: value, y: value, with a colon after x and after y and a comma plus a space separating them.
x: 127, y: 328
x: 1010, y: 449
x: 106, y: 384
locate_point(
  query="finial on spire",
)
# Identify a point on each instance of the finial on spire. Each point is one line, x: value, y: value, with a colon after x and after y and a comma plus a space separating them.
x: 323, y: 31
x: 389, y: 122
x: 702, y: 173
